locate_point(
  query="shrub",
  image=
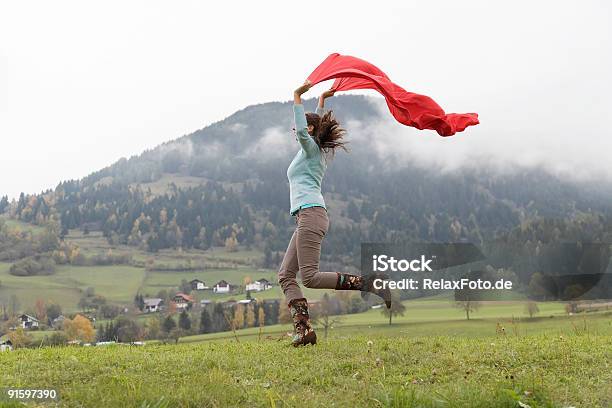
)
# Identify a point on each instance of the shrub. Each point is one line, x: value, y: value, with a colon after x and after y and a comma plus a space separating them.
x: 40, y: 265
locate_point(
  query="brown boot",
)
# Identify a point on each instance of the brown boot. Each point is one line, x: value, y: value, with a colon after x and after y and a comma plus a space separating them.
x: 365, y: 284
x: 303, y: 332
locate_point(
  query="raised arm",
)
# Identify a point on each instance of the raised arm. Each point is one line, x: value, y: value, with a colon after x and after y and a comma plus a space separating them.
x: 297, y: 94
x: 301, y: 125
x: 321, y: 106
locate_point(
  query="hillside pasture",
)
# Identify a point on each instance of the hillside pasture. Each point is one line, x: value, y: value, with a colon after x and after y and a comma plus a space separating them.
x: 355, y: 371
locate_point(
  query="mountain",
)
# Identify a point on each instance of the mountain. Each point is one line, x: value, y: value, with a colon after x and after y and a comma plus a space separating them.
x: 226, y: 184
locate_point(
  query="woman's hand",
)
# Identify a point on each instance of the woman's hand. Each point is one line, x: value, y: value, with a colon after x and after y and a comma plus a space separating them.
x: 304, y: 88
x: 328, y: 94
x: 325, y: 95
x: 301, y: 90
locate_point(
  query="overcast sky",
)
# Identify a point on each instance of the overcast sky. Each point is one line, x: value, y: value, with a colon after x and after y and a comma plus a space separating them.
x: 84, y: 84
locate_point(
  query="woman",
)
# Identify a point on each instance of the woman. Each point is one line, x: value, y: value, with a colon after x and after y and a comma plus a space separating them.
x: 319, y: 135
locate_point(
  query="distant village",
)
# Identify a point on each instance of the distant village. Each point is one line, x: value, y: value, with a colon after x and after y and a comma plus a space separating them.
x: 182, y: 300
x: 195, y: 308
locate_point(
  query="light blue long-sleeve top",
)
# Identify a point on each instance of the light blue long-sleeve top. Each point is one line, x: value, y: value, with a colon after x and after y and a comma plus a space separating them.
x: 305, y: 173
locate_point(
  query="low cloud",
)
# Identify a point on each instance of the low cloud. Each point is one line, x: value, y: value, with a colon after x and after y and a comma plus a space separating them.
x: 275, y: 142
x: 184, y: 146
x: 548, y: 139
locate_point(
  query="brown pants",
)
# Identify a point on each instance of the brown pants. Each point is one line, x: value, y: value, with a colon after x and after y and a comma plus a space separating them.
x: 303, y: 255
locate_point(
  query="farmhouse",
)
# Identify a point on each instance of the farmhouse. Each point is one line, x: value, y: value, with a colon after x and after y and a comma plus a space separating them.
x: 28, y: 322
x: 197, y: 284
x: 222, y: 287
x: 259, y: 285
x: 152, y: 305
x: 6, y: 345
x: 182, y: 301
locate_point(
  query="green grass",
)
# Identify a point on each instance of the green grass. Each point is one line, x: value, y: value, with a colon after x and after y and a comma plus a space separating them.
x: 408, y: 371
x: 443, y: 319
x: 118, y: 283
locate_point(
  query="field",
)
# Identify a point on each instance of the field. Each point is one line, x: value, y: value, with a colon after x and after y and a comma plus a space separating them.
x: 438, y: 316
x: 118, y: 283
x: 406, y: 371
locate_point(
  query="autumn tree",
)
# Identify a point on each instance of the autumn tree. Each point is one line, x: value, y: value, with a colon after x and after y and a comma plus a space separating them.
x: 238, y: 321
x: 250, y: 315
x: 261, y: 317
x: 40, y: 310
x: 284, y: 314
x: 20, y: 338
x: 79, y: 328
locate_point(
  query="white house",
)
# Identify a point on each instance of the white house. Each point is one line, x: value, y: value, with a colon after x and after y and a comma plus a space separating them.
x: 152, y: 305
x: 259, y: 285
x: 197, y: 284
x: 28, y: 322
x: 6, y: 345
x: 222, y: 287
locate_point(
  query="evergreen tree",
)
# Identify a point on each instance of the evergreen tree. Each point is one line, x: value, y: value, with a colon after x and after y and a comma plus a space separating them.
x: 169, y: 324
x: 184, y: 321
x: 4, y: 203
x: 205, y: 322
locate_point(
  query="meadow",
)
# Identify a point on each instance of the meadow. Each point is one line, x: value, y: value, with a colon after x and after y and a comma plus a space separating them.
x: 436, y: 316
x: 543, y: 370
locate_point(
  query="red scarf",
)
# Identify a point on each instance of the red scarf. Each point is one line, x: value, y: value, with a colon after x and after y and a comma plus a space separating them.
x: 408, y: 108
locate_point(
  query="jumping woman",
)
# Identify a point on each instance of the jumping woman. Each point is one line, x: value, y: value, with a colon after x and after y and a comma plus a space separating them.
x: 319, y: 135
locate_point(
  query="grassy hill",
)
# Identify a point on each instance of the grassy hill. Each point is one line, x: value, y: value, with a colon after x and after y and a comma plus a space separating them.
x: 355, y: 371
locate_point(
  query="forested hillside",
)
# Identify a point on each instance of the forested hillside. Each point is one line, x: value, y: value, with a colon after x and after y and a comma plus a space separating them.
x: 226, y: 185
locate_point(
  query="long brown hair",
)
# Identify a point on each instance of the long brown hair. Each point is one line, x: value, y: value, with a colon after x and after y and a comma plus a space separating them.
x: 327, y: 131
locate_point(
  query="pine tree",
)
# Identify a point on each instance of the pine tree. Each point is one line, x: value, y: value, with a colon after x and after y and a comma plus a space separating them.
x: 169, y: 324
x: 101, y: 333
x: 184, y: 321
x: 205, y: 322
